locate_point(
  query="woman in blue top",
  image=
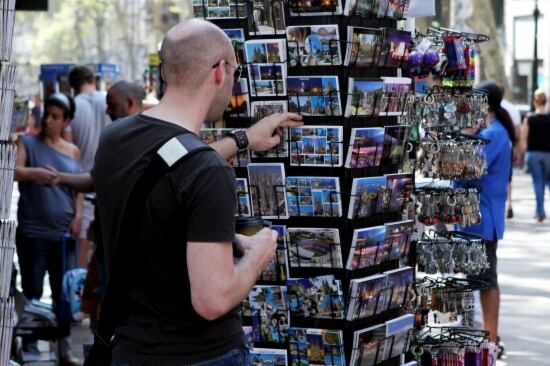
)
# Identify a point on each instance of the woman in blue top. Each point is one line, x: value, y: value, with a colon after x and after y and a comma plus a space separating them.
x: 47, y: 211
x: 494, y: 192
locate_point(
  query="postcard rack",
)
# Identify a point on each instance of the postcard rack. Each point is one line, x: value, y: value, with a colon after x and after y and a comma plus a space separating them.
x: 8, y: 154
x: 322, y: 192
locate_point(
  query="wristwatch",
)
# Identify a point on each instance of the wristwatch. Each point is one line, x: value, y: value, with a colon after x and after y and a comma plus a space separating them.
x: 240, y: 138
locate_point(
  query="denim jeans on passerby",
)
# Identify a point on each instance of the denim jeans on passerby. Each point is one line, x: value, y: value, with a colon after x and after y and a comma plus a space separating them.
x: 538, y: 163
x: 239, y: 356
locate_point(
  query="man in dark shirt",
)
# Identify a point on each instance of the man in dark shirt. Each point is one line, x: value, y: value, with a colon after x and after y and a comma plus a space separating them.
x: 183, y: 287
x: 124, y: 98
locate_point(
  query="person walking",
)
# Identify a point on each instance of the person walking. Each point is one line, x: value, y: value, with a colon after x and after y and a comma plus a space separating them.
x: 515, y: 115
x: 179, y: 305
x: 46, y: 212
x: 494, y: 192
x: 536, y: 142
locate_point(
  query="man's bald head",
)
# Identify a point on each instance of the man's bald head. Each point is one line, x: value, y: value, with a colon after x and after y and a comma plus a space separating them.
x: 190, y: 49
x: 124, y: 98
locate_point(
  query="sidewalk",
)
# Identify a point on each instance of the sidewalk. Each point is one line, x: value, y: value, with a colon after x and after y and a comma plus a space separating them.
x: 524, y: 277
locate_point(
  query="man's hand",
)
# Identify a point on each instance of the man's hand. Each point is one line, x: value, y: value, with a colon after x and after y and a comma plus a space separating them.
x: 45, y: 177
x: 260, y: 246
x: 267, y: 133
x: 57, y: 179
x: 243, y: 242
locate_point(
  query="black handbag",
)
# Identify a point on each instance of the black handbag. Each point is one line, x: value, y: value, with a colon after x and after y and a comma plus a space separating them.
x: 165, y: 159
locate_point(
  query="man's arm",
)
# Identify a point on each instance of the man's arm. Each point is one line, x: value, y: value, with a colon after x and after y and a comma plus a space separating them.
x: 81, y: 182
x: 217, y: 284
x: 262, y: 136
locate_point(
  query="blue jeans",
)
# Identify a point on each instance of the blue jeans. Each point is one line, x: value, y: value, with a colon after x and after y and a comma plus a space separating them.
x: 239, y: 356
x: 538, y: 163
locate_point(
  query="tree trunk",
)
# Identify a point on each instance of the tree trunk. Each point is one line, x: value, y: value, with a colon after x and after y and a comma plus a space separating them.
x: 478, y: 16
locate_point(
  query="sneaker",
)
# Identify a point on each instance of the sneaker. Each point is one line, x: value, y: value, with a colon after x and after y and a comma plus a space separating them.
x: 500, y: 346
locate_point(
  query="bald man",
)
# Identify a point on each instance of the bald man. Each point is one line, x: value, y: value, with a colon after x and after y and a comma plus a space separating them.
x: 124, y: 98
x: 182, y: 286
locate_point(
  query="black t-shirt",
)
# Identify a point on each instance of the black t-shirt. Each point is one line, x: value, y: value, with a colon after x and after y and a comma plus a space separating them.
x: 194, y: 202
x: 539, y: 132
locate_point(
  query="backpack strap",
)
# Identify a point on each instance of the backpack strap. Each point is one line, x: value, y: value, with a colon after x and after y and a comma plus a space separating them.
x: 171, y: 153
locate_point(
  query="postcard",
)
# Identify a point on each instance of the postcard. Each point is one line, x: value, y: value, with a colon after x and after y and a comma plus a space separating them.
x: 365, y: 194
x: 314, y: 95
x: 239, y: 105
x: 399, y: 330
x: 315, y: 45
x: 265, y: 51
x: 364, y: 247
x: 299, y: 301
x: 314, y: 247
x: 369, y: 346
x: 242, y: 197
x: 267, y: 17
x: 268, y: 357
x: 366, y: 147
x: 396, y: 139
x: 400, y: 282
x: 277, y: 269
x: 270, y: 315
x: 394, y: 96
x: 262, y: 109
x: 364, y: 46
x: 267, y: 190
x: 394, y: 9
x: 364, y: 295
x: 314, y: 196
x: 396, y: 48
x: 399, y: 236
x: 316, y: 146
x: 362, y: 8
x: 401, y: 187
x: 219, y: 9
x: 267, y: 67
x: 314, y: 8
x: 316, y: 297
x: 267, y: 80
x: 316, y: 347
x: 236, y: 35
x: 210, y: 135
x: 327, y: 297
x: 364, y: 97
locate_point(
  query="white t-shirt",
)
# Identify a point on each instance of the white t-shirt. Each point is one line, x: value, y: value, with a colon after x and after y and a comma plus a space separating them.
x: 88, y: 122
x: 512, y: 111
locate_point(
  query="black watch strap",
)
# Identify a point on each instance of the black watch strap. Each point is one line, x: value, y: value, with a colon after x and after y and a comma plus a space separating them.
x: 240, y: 138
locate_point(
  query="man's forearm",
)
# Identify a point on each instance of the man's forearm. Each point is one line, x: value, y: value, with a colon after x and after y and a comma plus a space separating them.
x: 226, y: 147
x: 79, y: 182
x: 247, y: 272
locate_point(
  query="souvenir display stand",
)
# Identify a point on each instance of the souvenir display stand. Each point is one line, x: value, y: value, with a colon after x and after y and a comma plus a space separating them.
x: 8, y: 155
x: 450, y: 162
x: 340, y: 288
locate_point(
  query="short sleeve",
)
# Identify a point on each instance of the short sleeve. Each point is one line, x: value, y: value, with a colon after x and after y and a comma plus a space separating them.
x: 211, y: 205
x: 492, y: 149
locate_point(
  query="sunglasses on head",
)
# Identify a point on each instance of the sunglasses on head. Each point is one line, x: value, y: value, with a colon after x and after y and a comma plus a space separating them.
x: 236, y: 74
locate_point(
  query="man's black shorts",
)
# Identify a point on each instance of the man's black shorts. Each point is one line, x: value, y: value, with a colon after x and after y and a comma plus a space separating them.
x: 489, y: 276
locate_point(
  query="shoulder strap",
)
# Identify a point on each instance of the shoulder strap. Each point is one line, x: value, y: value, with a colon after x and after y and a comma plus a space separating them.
x: 171, y: 153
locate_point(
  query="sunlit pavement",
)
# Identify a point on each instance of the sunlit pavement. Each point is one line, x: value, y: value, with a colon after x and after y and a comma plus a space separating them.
x: 524, y: 276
